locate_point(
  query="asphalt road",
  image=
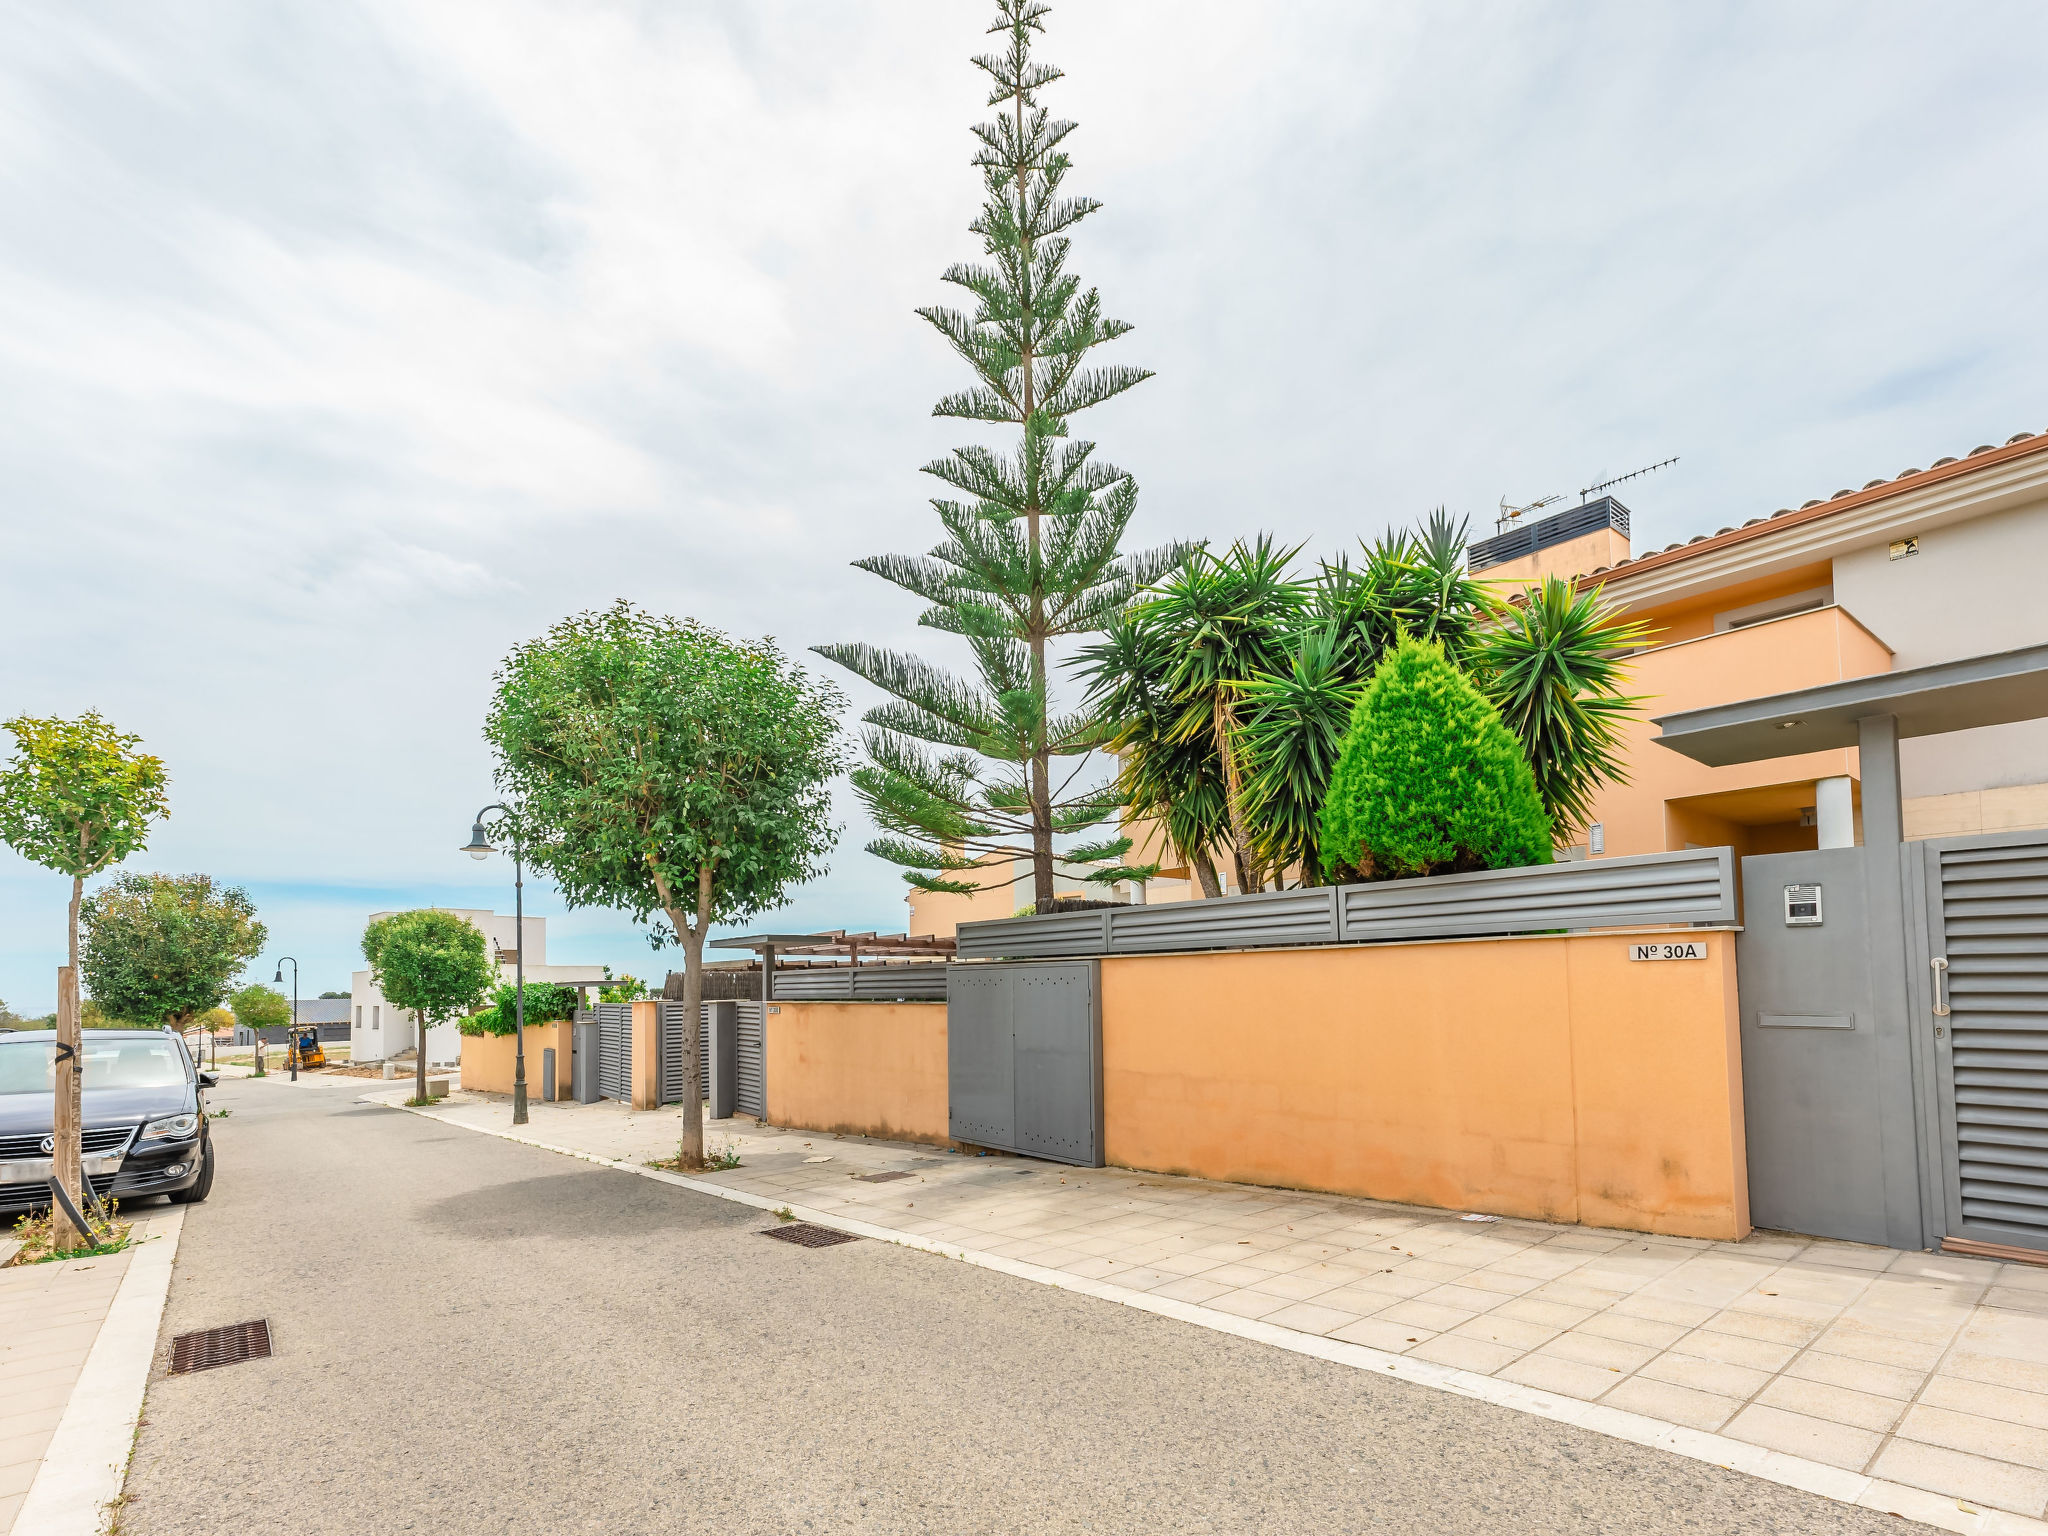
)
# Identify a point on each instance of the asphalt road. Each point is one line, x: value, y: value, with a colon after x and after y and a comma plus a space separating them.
x: 473, y: 1336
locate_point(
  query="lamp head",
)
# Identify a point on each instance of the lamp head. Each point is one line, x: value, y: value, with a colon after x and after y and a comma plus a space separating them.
x: 280, y: 972
x: 479, y: 846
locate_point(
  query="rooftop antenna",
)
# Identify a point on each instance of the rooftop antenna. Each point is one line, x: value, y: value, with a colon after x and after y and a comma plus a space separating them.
x: 1646, y: 469
x: 1510, y: 514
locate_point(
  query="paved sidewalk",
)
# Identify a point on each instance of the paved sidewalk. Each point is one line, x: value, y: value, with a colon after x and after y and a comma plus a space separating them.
x: 1923, y: 1378
x: 50, y: 1319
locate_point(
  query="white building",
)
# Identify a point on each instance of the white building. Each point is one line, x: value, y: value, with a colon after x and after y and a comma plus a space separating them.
x: 378, y: 1030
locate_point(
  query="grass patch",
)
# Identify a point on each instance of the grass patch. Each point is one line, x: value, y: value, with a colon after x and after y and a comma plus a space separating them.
x: 427, y: 1103
x: 716, y: 1160
x: 784, y: 1213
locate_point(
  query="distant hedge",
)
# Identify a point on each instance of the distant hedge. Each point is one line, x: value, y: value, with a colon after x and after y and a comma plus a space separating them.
x: 545, y: 1002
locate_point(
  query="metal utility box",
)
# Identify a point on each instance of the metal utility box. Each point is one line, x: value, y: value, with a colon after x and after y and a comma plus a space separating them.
x: 584, y: 1062
x: 1024, y: 1058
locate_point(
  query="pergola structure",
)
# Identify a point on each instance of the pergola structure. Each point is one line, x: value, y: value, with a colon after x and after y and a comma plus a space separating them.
x: 852, y: 947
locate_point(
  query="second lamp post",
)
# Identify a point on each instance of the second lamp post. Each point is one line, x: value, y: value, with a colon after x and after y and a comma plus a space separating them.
x: 479, y: 847
x: 291, y: 1040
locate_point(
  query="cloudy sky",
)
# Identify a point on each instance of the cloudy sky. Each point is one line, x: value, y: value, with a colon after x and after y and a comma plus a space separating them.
x: 343, y: 346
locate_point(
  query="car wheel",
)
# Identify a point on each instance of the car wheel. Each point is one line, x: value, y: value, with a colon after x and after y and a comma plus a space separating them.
x: 204, y: 1187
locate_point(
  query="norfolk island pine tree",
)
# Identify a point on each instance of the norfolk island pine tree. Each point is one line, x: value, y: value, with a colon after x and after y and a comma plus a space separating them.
x: 963, y: 771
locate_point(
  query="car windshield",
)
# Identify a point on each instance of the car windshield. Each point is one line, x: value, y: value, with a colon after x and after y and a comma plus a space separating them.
x: 27, y: 1066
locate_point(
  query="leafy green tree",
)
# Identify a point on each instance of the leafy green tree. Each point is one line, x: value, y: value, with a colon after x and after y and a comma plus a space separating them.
x: 77, y: 798
x: 431, y: 964
x: 662, y: 768
x: 259, y: 1007
x: 961, y: 772
x: 325, y: 996
x: 623, y: 989
x: 1429, y: 780
x: 1554, y: 668
x: 160, y: 948
x: 545, y: 1003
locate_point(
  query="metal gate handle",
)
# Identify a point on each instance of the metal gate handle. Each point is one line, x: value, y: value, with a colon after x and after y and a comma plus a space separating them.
x: 1940, y: 964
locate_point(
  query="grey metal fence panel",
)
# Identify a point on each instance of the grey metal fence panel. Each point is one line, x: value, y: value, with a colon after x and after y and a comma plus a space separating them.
x: 675, y: 1052
x: 981, y: 1056
x: 615, y: 1051
x: 752, y: 1095
x: 1693, y: 886
x: 1649, y: 890
x: 863, y: 983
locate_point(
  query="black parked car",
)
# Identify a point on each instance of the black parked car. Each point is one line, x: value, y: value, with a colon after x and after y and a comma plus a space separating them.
x: 145, y: 1129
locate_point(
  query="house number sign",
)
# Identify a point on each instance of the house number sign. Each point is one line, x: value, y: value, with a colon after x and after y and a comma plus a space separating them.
x: 1692, y: 949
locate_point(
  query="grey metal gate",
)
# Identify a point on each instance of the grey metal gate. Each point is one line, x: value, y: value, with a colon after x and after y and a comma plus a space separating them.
x: 615, y: 1051
x: 752, y: 1094
x: 1984, y: 994
x: 675, y: 1052
x: 1024, y: 1058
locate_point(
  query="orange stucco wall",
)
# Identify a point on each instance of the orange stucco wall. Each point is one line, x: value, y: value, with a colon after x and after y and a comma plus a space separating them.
x: 1824, y: 645
x: 869, y: 1069
x: 1547, y: 1077
x: 487, y: 1060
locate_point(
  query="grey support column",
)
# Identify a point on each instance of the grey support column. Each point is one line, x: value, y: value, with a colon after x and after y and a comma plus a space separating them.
x: 1884, y: 897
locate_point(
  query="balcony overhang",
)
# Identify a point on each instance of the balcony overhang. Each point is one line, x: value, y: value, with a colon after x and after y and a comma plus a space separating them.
x: 1997, y: 689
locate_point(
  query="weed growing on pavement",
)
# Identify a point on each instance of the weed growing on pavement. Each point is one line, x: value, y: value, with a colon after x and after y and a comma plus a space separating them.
x: 716, y: 1160
x: 33, y: 1233
x: 218, y: 1114
x: 784, y: 1213
x: 427, y: 1103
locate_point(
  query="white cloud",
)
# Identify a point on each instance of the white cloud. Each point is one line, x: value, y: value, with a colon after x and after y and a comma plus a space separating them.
x: 343, y: 347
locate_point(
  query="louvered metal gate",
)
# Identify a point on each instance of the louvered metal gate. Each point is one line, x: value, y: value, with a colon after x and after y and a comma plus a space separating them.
x: 615, y: 1051
x: 1985, y: 986
x: 752, y: 1097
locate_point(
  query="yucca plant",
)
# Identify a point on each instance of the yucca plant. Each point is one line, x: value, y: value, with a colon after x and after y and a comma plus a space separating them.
x: 1553, y: 666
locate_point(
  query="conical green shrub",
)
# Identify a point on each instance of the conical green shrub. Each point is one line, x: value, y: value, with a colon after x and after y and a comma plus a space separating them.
x: 1428, y: 779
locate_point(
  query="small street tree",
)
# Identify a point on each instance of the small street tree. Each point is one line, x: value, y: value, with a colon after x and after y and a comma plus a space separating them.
x: 663, y: 768
x: 431, y: 964
x: 159, y: 949
x: 962, y: 772
x: 77, y: 798
x: 257, y: 1008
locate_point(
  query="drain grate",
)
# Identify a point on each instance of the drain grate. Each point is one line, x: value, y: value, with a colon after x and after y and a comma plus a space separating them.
x: 881, y: 1178
x: 804, y: 1235
x: 210, y: 1347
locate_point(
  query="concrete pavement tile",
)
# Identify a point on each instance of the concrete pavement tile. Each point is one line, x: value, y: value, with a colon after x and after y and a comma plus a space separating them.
x: 25, y: 1389
x: 1661, y: 1309
x: 1236, y: 1275
x: 1571, y: 1378
x: 1377, y: 1333
x: 2019, y: 1444
x: 1469, y: 1298
x: 1857, y: 1375
x: 1299, y: 1286
x: 2014, y: 1335
x: 1844, y: 1256
x: 1864, y: 1343
x: 16, y: 1479
x: 16, y: 1449
x: 2023, y: 1374
x: 1464, y: 1353
x: 1574, y: 1241
x: 1754, y: 1247
x: 1492, y: 1328
x: 1554, y: 1315
x: 2023, y: 1277
x: 2008, y: 1405
x: 1141, y: 1277
x: 1436, y: 1319
x: 1961, y: 1475
x: 18, y: 1421
x: 1246, y: 1303
x: 1757, y: 1354
x: 1946, y: 1266
x: 1573, y: 1295
x: 1839, y: 1405
x: 2011, y: 1298
x: 1539, y: 1264
x: 1501, y: 1284
x: 1754, y: 1325
x: 1435, y: 1273
x: 1392, y: 1283
x: 1277, y: 1261
x: 1307, y: 1317
x: 1191, y: 1288
x: 1186, y: 1264
x: 1632, y: 1330
x: 1590, y: 1349
x: 1672, y: 1403
x: 1839, y: 1445
x: 1716, y: 1376
x: 10, y: 1506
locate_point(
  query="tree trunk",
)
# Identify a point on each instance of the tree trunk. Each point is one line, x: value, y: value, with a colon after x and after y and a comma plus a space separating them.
x: 67, y: 1112
x: 1223, y: 723
x: 692, y: 929
x: 419, y: 1063
x: 1205, y: 875
x: 1041, y: 755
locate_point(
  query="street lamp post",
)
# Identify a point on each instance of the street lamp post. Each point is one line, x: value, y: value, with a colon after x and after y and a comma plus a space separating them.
x: 479, y: 847
x: 291, y: 1045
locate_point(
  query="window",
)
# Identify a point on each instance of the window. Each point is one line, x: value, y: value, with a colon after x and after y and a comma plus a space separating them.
x: 25, y: 1065
x: 359, y: 1016
x: 376, y: 1016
